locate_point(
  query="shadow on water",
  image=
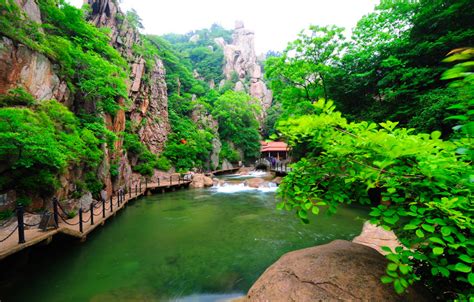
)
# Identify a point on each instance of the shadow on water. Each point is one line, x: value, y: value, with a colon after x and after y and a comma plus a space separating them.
x: 189, y: 245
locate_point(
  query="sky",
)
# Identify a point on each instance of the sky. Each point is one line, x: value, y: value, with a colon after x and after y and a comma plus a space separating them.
x: 275, y: 22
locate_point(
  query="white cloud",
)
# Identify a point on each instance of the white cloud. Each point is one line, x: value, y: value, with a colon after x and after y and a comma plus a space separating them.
x: 275, y: 23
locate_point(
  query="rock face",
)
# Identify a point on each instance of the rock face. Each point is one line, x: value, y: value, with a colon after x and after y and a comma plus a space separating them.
x: 153, y: 107
x: 149, y: 109
x: 375, y: 237
x: 30, y: 7
x: 149, y: 98
x: 338, y: 271
x: 204, y: 120
x: 226, y: 165
x: 240, y: 60
x: 23, y: 67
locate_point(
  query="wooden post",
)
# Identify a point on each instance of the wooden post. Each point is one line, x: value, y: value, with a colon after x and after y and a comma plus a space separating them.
x: 111, y: 204
x: 92, y: 213
x: 103, y: 207
x: 80, y: 220
x: 20, y: 211
x: 55, y: 212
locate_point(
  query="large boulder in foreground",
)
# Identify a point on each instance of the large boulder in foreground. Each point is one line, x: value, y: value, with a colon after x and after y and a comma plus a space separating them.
x: 338, y: 271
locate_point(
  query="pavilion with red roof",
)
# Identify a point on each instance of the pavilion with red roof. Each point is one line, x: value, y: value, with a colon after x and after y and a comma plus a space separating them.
x: 278, y: 150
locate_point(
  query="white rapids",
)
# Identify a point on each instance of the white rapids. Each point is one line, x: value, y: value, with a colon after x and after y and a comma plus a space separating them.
x: 233, y: 187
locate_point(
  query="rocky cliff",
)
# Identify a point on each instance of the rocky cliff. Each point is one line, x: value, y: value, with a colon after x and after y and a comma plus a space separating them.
x: 242, y: 66
x: 204, y: 120
x: 147, y: 86
x: 146, y: 108
x: 22, y: 67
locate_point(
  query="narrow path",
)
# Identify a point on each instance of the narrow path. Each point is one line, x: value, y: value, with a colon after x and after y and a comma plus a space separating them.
x: 70, y: 227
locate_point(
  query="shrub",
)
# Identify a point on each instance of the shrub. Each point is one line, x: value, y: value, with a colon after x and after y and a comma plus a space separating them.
x: 36, y: 145
x: 16, y: 97
x: 425, y: 186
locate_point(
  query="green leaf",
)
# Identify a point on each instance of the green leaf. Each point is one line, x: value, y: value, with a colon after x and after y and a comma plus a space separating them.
x: 428, y: 228
x: 437, y: 240
x: 444, y: 271
x: 398, y: 286
x: 391, y: 220
x: 404, y: 282
x: 392, y: 266
x: 280, y: 205
x: 435, y: 134
x: 446, y: 231
x: 461, y: 267
x: 438, y: 250
x: 303, y: 214
x: 466, y: 258
x: 420, y: 233
x: 410, y: 227
x: 404, y: 269
x: 315, y: 210
x: 470, y: 278
x: 386, y: 279
x: 457, y: 117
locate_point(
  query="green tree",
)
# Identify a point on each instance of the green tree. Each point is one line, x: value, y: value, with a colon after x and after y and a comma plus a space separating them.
x: 37, y: 145
x: 236, y: 113
x: 426, y: 193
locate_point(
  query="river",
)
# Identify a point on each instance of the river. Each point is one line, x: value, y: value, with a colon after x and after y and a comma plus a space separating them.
x: 190, y: 245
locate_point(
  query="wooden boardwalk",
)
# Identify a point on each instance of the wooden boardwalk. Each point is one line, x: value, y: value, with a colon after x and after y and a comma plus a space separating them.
x: 219, y: 172
x: 71, y: 226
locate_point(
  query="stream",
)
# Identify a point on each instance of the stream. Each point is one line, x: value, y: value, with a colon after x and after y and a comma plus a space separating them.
x: 191, y: 245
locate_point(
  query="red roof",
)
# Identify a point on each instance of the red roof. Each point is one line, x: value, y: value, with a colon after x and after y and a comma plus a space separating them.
x: 273, y: 146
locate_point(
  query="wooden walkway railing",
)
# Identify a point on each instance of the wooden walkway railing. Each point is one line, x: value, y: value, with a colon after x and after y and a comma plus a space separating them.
x: 223, y: 171
x: 281, y: 168
x: 82, y: 224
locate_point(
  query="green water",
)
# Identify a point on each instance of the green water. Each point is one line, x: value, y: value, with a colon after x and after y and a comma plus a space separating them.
x: 189, y: 245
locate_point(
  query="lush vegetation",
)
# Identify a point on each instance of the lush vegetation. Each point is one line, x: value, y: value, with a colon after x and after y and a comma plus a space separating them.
x: 389, y: 69
x: 96, y: 75
x: 199, y: 47
x: 417, y: 183
x: 38, y: 143
x: 237, y: 111
x: 190, y: 143
x: 41, y: 140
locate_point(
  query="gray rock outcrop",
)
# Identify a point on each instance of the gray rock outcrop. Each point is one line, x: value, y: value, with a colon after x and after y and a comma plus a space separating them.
x: 201, y: 117
x: 31, y: 70
x: 240, y: 59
